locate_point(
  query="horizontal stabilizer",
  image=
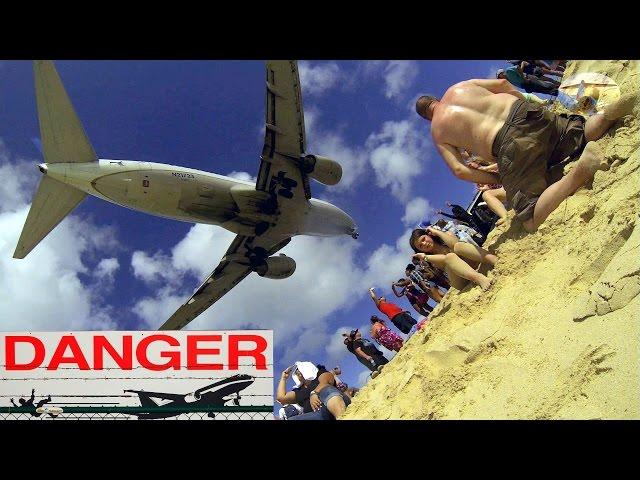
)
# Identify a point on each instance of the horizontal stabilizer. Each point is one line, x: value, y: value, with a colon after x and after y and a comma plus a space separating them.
x: 52, y: 202
x: 63, y: 138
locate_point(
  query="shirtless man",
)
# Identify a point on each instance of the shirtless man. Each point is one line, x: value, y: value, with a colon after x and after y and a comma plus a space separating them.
x: 491, y: 119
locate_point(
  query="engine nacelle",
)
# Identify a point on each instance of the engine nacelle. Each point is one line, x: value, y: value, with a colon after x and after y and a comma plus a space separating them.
x: 324, y: 170
x: 276, y: 267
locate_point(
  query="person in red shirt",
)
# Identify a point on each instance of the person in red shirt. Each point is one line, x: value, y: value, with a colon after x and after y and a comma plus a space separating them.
x: 400, y: 318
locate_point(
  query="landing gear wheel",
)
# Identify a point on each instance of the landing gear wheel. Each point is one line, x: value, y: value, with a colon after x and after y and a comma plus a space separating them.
x: 289, y: 183
x: 261, y: 228
x: 270, y: 207
x: 259, y: 252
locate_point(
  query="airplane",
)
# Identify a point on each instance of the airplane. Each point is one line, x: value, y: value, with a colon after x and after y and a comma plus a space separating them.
x: 264, y: 216
x: 210, y: 396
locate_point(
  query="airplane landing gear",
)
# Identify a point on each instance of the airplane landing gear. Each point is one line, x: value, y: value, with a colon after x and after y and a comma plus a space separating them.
x: 261, y: 228
x: 285, y: 193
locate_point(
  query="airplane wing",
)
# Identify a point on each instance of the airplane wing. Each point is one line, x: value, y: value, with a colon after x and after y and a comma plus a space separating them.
x: 284, y: 140
x: 233, y: 268
x: 280, y: 174
x: 146, y: 397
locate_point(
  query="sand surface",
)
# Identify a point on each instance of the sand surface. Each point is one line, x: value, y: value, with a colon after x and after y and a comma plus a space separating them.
x: 558, y: 334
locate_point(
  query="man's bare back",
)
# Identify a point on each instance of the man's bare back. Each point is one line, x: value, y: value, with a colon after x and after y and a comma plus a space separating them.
x: 469, y: 116
x: 472, y: 113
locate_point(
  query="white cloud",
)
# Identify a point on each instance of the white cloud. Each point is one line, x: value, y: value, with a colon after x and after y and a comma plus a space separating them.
x: 398, y: 77
x: 107, y: 267
x: 297, y: 308
x: 294, y: 307
x: 244, y: 176
x: 386, y: 264
x: 153, y: 268
x: 417, y: 210
x: 19, y: 180
x: 335, y: 348
x: 104, y: 273
x: 492, y: 71
x: 397, y: 154
x: 332, y: 144
x: 318, y: 79
x: 44, y: 290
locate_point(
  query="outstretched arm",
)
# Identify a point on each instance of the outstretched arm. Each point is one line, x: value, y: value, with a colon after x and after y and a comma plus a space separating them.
x: 499, y: 85
x: 453, y: 159
x: 374, y: 297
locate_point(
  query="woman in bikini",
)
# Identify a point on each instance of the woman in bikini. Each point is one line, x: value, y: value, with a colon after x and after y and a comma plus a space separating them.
x: 458, y: 259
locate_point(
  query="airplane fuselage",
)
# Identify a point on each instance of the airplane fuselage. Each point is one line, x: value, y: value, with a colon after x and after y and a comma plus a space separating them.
x: 191, y: 195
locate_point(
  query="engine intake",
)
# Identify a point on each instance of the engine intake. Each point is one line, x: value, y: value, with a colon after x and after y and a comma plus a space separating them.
x: 324, y: 170
x: 276, y: 267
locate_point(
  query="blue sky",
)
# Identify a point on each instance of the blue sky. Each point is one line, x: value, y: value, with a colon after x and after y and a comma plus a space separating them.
x: 106, y: 267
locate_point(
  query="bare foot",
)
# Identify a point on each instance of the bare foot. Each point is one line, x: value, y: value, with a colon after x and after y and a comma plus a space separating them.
x: 591, y: 160
x: 621, y: 107
x: 485, y: 283
x: 491, y: 259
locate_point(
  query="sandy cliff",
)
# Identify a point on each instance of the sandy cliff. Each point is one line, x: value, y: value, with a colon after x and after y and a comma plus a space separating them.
x: 558, y: 334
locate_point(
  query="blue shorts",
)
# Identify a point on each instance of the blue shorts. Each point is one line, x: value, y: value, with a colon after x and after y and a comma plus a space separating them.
x: 328, y: 392
x: 325, y: 395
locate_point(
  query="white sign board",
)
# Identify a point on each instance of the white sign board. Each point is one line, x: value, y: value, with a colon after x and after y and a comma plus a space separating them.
x: 144, y: 375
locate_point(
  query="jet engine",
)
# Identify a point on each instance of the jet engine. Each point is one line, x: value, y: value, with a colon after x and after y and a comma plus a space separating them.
x: 276, y: 267
x: 324, y: 170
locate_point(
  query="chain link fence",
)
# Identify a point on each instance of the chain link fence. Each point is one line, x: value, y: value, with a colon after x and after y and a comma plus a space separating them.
x: 249, y: 412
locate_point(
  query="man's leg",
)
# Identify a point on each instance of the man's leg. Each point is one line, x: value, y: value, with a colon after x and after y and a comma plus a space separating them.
x: 591, y: 160
x: 597, y: 125
x: 366, y: 363
x: 459, y: 270
x: 379, y: 360
x: 495, y: 199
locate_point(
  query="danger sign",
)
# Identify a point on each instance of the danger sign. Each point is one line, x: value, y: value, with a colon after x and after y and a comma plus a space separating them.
x: 62, y: 370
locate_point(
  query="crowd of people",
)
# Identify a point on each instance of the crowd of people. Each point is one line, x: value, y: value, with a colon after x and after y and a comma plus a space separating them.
x: 506, y: 142
x: 534, y: 75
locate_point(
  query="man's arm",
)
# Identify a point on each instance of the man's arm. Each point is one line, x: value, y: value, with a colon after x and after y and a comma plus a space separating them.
x: 374, y: 297
x: 361, y: 353
x: 499, y: 85
x: 453, y: 159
